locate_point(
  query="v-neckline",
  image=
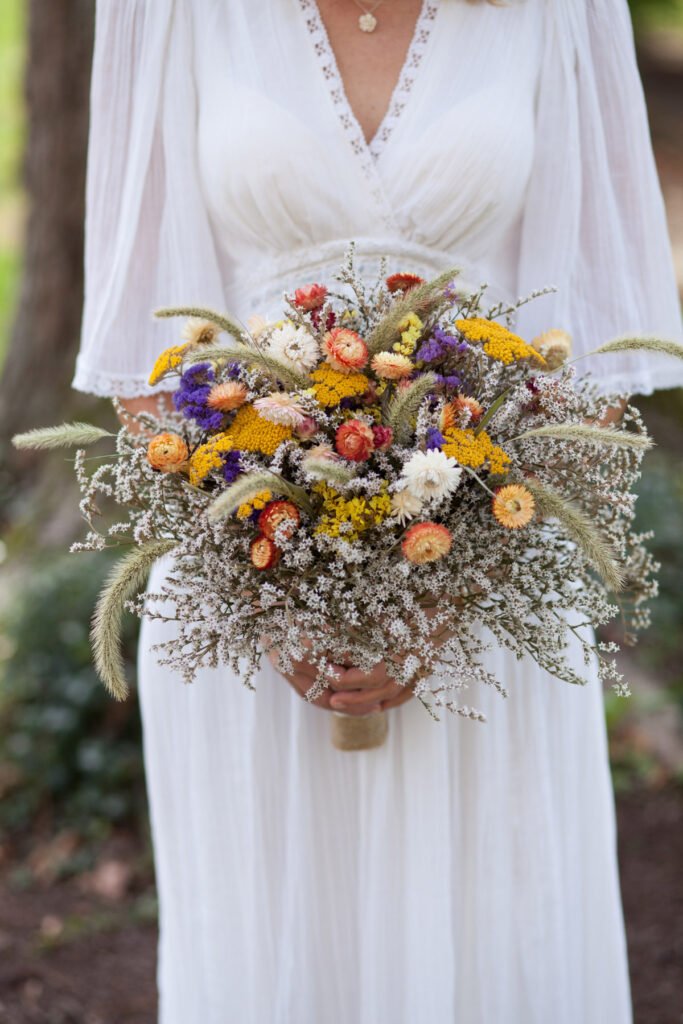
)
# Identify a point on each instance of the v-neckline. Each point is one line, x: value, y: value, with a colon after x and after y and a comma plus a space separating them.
x: 368, y: 151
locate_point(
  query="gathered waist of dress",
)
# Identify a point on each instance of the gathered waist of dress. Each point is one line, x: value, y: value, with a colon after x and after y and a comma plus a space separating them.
x: 259, y: 288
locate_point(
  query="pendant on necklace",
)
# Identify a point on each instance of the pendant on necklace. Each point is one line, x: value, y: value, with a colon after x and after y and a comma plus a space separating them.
x: 367, y: 22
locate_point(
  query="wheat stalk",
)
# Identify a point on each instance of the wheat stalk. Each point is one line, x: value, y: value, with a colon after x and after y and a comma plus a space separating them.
x: 420, y: 300
x: 326, y: 469
x: 126, y: 578
x: 578, y: 526
x: 246, y: 487
x: 226, y: 323
x: 405, y: 406
x: 67, y: 435
x: 644, y: 344
x: 598, y: 435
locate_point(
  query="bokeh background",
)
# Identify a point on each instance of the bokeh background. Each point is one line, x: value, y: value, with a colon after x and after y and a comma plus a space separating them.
x: 77, y: 897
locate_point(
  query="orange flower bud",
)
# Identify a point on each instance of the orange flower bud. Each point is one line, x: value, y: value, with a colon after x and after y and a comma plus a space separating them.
x: 167, y: 452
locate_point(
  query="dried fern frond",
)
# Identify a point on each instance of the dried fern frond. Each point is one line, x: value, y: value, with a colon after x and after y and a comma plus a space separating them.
x: 126, y: 578
x: 421, y: 300
x: 598, y: 435
x: 599, y: 553
x: 406, y: 404
x: 247, y: 486
x: 224, y: 321
x: 645, y: 344
x: 67, y: 435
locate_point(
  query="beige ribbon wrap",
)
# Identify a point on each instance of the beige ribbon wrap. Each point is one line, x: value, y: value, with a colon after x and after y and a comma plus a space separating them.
x: 359, y: 732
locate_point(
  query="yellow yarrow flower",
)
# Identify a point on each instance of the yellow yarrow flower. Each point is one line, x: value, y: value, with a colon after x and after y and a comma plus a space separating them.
x: 499, y: 342
x: 360, y: 512
x: 257, y: 502
x: 332, y: 385
x: 251, y: 432
x: 207, y: 457
x: 411, y: 328
x: 169, y: 359
x: 473, y: 450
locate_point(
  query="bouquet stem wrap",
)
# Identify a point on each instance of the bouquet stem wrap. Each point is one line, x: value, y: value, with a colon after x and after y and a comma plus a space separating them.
x: 359, y: 732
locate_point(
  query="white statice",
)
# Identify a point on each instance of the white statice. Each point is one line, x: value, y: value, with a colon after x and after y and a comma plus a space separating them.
x: 295, y: 346
x: 431, y: 475
x: 405, y: 505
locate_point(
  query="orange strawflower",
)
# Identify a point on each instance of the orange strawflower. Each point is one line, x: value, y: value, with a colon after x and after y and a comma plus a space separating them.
x: 514, y: 506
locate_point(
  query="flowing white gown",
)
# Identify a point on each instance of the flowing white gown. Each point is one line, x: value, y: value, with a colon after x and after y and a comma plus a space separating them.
x: 460, y: 873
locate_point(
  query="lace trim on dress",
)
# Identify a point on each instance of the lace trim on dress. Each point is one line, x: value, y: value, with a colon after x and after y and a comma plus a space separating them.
x: 366, y: 153
x: 404, y: 86
x: 106, y: 385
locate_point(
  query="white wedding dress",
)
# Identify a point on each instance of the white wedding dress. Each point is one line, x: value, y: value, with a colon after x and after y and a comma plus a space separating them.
x: 460, y: 873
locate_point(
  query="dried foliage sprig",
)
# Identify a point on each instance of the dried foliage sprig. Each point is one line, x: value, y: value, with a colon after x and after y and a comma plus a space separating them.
x: 591, y: 435
x: 67, y: 435
x: 125, y: 579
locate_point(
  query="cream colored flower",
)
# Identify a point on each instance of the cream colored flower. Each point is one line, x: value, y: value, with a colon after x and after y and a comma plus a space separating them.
x: 200, y: 332
x: 431, y: 474
x: 295, y: 346
x: 391, y: 365
x: 257, y: 324
x: 555, y: 346
x: 281, y: 407
x: 405, y: 505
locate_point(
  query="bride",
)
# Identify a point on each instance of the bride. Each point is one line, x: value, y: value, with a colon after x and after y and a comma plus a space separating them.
x: 461, y: 872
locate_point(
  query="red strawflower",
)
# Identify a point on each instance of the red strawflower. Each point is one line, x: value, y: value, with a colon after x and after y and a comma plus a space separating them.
x: 354, y: 440
x: 311, y: 296
x: 383, y: 436
x: 276, y: 512
x: 403, y: 282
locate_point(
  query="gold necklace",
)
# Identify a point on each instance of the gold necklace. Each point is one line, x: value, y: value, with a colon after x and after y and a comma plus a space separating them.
x: 367, y: 22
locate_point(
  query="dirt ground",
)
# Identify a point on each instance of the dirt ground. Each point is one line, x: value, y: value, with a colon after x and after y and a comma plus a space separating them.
x: 83, y: 950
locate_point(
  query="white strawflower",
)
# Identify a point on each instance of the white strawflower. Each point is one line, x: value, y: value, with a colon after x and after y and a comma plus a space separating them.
x: 281, y: 408
x: 200, y: 332
x: 431, y: 474
x: 294, y: 346
x: 405, y: 505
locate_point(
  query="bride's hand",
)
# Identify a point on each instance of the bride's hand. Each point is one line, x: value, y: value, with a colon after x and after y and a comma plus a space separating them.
x: 353, y: 691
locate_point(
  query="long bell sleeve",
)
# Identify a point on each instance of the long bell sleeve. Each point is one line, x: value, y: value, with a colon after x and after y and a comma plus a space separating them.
x: 148, y: 239
x: 594, y: 223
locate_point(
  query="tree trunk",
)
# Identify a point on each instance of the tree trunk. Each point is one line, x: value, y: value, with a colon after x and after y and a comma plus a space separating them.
x: 35, y: 384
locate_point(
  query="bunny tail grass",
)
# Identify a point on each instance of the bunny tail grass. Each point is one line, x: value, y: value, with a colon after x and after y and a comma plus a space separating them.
x: 226, y: 323
x: 578, y: 526
x: 405, y: 405
x: 68, y: 435
x: 597, y: 435
x: 668, y: 348
x: 126, y: 578
x: 420, y: 300
x: 246, y: 487
x: 328, y: 470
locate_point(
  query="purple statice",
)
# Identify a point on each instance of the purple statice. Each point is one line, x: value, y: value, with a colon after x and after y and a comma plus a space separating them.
x: 192, y: 393
x: 232, y: 465
x: 435, y: 438
x: 233, y: 370
x: 439, y: 346
x: 450, y: 380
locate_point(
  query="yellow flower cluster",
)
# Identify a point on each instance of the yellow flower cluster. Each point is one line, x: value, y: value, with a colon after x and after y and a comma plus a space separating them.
x: 331, y: 385
x: 207, y: 457
x: 470, y: 449
x: 259, y: 501
x: 169, y: 359
x: 253, y: 433
x: 411, y: 328
x: 499, y: 342
x: 360, y: 512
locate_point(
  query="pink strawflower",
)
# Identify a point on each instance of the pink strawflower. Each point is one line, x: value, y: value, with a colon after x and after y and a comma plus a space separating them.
x: 307, y: 428
x: 426, y: 542
x: 345, y: 350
